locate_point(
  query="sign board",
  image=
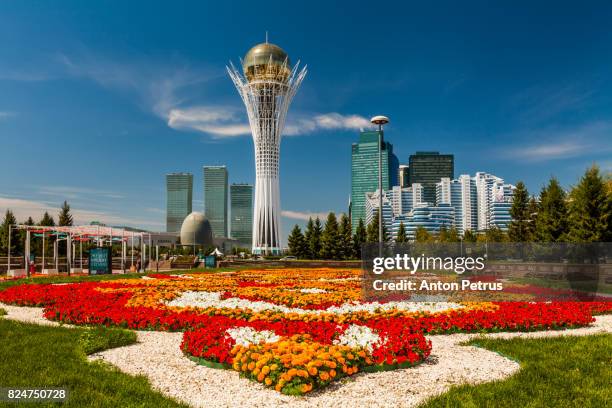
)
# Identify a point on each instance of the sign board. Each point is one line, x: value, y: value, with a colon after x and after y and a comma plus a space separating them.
x: 210, y: 261
x: 100, y: 261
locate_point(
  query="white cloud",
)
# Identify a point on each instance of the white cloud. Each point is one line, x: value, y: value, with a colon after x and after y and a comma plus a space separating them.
x: 220, y: 122
x: 72, y: 193
x: 556, y: 143
x: 304, y: 216
x: 31, y: 208
x: 5, y: 114
x: 216, y: 121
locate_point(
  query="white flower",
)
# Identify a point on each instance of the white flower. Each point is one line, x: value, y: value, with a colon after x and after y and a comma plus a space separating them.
x: 245, y: 336
x: 213, y: 299
x: 313, y: 290
x: 356, y: 336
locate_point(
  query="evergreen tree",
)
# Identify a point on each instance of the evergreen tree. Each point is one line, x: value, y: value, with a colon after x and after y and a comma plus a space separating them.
x: 47, y: 220
x: 9, y: 220
x: 313, y: 238
x: 590, y: 209
x: 551, y: 222
x: 518, y: 230
x: 372, y: 230
x: 532, y: 213
x: 308, y: 237
x: 495, y: 234
x: 401, y: 234
x: 359, y: 238
x: 469, y: 236
x: 443, y: 234
x: 346, y: 238
x: 453, y: 235
x: 421, y: 235
x: 330, y: 238
x: 64, y: 217
x: 296, y: 242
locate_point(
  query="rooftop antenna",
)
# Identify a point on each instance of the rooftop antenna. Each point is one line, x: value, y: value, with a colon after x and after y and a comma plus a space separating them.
x: 266, y: 36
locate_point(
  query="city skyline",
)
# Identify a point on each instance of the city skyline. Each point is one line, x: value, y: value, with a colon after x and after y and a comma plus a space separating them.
x: 151, y: 104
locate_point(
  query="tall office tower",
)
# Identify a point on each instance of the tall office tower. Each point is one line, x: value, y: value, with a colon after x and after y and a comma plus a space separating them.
x: 403, y: 175
x: 364, y: 172
x: 215, y: 199
x: 179, y: 195
x: 241, y: 199
x: 427, y: 168
x: 267, y: 85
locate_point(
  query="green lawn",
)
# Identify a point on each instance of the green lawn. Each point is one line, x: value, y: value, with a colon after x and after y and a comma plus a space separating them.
x: 45, y: 356
x: 555, y: 372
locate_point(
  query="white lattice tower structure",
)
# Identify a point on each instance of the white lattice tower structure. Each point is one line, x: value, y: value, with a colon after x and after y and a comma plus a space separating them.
x: 267, y: 86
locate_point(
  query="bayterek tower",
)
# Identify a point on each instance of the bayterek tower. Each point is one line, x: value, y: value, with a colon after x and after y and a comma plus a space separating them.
x: 267, y: 85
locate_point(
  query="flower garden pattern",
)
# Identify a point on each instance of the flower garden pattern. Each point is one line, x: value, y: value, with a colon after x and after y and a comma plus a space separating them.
x: 294, y: 330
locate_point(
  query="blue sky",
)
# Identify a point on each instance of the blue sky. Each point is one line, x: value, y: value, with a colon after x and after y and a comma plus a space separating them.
x: 98, y: 101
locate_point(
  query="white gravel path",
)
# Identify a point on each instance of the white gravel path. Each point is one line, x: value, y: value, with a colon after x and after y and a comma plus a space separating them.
x: 157, y: 356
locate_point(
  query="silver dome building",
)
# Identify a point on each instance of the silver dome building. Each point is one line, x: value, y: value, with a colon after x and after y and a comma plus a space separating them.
x: 196, y: 230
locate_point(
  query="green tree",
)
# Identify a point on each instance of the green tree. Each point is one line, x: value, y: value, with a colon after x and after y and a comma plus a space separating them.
x: 443, y: 234
x: 590, y: 209
x: 330, y: 238
x: 64, y: 217
x: 495, y: 234
x: 47, y: 220
x: 453, y: 235
x: 372, y: 230
x: 359, y: 238
x: 297, y: 243
x: 346, y: 238
x: 469, y: 236
x: 532, y: 213
x: 518, y: 230
x: 421, y: 235
x: 401, y: 234
x: 551, y: 222
x: 313, y: 238
x: 8, y: 221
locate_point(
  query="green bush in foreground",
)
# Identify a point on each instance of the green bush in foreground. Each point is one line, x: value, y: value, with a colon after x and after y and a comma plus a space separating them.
x: 555, y: 372
x: 45, y: 356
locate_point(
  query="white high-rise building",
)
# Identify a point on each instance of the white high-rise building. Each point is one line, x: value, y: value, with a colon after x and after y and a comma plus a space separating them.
x: 481, y: 202
x: 267, y: 86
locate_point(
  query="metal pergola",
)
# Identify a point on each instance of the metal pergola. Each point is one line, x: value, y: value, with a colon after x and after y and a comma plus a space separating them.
x: 78, y: 234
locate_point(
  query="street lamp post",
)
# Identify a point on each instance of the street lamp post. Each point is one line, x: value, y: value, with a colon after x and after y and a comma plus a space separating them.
x: 380, y: 121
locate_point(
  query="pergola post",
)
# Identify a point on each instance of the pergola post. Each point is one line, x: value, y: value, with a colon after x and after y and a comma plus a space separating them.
x: 69, y: 252
x: 8, y: 262
x: 42, y: 269
x: 26, y: 254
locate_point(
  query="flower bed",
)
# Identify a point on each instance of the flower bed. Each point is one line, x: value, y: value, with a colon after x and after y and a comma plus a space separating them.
x: 293, y: 330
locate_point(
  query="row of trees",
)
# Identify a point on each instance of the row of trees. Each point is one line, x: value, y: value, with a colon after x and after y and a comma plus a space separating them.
x: 582, y: 215
x: 18, y: 237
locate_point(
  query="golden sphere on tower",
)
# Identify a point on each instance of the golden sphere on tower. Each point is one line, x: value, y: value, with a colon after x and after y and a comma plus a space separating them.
x: 266, y: 61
